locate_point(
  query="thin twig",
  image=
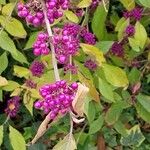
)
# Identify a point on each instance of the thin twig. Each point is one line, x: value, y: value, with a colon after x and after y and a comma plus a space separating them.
x: 104, y: 4
x: 54, y: 61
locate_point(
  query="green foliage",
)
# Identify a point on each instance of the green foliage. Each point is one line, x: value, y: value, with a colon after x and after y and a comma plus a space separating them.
x: 16, y: 139
x: 117, y: 104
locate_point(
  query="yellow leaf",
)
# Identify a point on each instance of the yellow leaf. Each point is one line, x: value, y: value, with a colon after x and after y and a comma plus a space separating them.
x: 115, y: 75
x: 84, y: 3
x: 21, y: 71
x: 3, y: 81
x: 71, y: 16
x: 128, y: 4
x: 92, y: 90
x: 8, y: 8
x: 28, y: 102
x: 94, y: 52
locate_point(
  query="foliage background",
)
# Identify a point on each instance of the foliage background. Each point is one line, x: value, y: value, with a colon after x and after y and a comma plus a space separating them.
x: 116, y: 118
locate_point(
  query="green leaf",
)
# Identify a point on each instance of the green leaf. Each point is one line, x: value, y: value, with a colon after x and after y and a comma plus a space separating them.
x: 122, y: 28
x: 12, y: 85
x: 143, y: 113
x: 71, y: 16
x: 140, y: 34
x: 98, y: 22
x: 20, y: 57
x: 145, y: 3
x: 106, y: 90
x: 31, y: 40
x: 113, y: 114
x: 21, y: 71
x: 16, y: 139
x: 104, y: 45
x: 68, y: 143
x: 96, y: 125
x: 134, y: 137
x: 144, y: 100
x: 119, y: 23
x: 93, y: 52
x: 134, y: 76
x: 84, y: 3
x: 8, y: 8
x: 135, y: 44
x: 115, y: 75
x: 120, y: 128
x: 4, y: 62
x: 13, y: 27
x: 128, y: 4
x: 2, y: 2
x: 7, y: 43
x: 1, y: 135
x: 89, y: 109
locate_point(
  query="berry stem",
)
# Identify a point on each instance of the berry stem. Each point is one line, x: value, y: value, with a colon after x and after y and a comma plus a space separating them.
x: 48, y: 27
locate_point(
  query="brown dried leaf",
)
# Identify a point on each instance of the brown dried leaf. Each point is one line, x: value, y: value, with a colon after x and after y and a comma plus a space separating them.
x: 42, y: 129
x: 78, y: 102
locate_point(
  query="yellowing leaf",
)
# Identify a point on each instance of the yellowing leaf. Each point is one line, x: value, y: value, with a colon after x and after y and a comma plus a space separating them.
x: 7, y: 43
x: 68, y: 143
x: 89, y: 83
x: 128, y: 4
x: 71, y: 16
x: 16, y: 139
x: 94, y: 52
x: 78, y: 102
x: 12, y: 85
x: 21, y: 71
x: 13, y: 27
x: 28, y: 102
x: 84, y: 3
x: 7, y: 9
x: 3, y: 81
x: 140, y: 34
x: 115, y: 75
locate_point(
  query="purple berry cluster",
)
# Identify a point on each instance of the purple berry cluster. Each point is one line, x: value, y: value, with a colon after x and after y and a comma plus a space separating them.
x: 117, y: 49
x: 66, y: 42
x: 72, y: 68
x: 41, y: 46
x: 130, y: 30
x: 33, y: 13
x: 136, y: 13
x: 30, y: 84
x: 37, y: 68
x: 90, y: 64
x: 13, y: 106
x: 57, y: 98
x: 94, y: 4
x: 88, y: 37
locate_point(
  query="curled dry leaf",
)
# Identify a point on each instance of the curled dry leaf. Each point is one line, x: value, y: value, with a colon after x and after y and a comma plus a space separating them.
x: 77, y: 120
x: 78, y: 102
x: 42, y: 129
x: 68, y: 143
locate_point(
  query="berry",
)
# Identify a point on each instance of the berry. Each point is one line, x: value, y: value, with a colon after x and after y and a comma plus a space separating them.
x: 57, y: 98
x: 37, y: 68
